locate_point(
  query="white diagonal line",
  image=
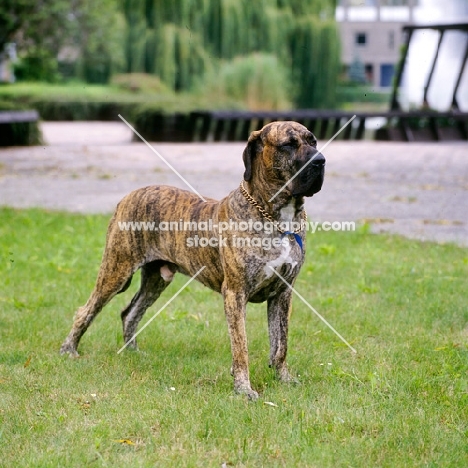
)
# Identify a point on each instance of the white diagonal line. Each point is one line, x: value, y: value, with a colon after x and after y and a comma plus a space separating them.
x: 308, y: 162
x: 313, y: 310
x: 161, y: 309
x: 160, y: 157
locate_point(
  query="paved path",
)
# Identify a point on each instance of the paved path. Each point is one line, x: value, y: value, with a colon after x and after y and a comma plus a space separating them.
x: 419, y: 190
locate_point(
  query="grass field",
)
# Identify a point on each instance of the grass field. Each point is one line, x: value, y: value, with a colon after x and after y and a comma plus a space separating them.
x: 29, y: 93
x: 25, y: 92
x: 80, y: 101
x: 401, y: 401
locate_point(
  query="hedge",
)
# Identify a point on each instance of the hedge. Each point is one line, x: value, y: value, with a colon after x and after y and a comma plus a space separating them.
x: 18, y: 133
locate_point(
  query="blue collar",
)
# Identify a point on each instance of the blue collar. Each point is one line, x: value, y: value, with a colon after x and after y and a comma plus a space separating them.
x: 296, y: 236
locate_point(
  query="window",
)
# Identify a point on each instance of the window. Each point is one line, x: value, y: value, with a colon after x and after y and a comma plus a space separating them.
x: 387, y: 70
x: 361, y: 38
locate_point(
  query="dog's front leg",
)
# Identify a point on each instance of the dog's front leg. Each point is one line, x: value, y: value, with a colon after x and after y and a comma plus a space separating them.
x: 234, y: 307
x: 279, y: 310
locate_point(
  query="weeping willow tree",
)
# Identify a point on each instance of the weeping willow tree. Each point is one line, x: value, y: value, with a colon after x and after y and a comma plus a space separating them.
x: 136, y: 32
x: 182, y: 40
x: 176, y: 56
x: 314, y: 62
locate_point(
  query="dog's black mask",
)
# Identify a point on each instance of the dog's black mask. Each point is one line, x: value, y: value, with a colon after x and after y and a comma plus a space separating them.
x: 312, y: 172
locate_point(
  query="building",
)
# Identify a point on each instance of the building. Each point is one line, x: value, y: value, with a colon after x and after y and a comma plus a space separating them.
x: 371, y: 33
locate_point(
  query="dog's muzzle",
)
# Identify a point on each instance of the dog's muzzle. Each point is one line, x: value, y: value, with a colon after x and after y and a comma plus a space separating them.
x: 310, y: 179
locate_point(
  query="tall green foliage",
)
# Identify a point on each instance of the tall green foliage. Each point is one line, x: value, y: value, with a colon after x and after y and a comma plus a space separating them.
x: 182, y: 40
x: 178, y: 40
x: 135, y: 41
x: 257, y: 81
x: 100, y: 39
x: 315, y: 62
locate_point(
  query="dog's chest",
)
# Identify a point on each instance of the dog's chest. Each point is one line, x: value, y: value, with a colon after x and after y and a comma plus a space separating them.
x: 268, y: 274
x: 286, y: 255
x: 279, y: 263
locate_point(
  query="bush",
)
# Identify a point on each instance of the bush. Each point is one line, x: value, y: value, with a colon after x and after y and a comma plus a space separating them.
x: 37, y: 66
x: 97, y: 67
x: 18, y: 133
x: 81, y: 110
x: 139, y: 82
x: 77, y: 101
x: 353, y: 92
x: 258, y: 82
x: 11, y: 106
x: 158, y: 125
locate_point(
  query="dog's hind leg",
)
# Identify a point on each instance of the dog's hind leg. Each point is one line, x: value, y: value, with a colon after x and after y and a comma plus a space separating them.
x: 155, y: 277
x: 114, y: 275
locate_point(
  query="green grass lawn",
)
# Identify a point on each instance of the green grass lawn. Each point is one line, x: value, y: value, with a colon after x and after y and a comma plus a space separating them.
x: 401, y: 401
x: 35, y: 94
x: 72, y: 92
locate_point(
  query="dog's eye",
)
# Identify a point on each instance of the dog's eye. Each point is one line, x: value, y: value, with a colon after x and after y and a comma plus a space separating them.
x: 311, y: 140
x: 290, y: 144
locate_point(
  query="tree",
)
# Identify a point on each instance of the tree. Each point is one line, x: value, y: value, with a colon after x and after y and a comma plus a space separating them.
x: 99, y: 34
x: 185, y: 38
x: 13, y: 15
x: 41, y: 28
x: 179, y: 40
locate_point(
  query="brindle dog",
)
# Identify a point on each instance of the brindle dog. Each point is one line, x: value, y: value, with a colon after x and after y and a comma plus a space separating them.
x: 240, y: 272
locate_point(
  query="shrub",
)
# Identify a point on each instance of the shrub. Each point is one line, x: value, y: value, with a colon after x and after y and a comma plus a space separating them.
x: 353, y: 92
x: 18, y: 133
x: 257, y: 81
x: 57, y: 110
x: 37, y: 66
x: 138, y: 82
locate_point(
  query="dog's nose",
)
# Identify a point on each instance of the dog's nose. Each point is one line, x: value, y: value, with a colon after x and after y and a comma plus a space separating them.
x: 318, y: 160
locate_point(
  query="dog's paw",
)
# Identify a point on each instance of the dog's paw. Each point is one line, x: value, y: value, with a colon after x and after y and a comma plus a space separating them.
x: 245, y: 389
x: 66, y: 348
x: 252, y: 395
x: 286, y: 377
x: 291, y: 380
x: 131, y: 345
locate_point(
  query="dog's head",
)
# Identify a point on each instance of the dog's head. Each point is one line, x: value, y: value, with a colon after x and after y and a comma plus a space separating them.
x: 285, y: 153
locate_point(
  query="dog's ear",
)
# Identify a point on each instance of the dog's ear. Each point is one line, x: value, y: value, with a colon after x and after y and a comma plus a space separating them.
x: 250, y: 152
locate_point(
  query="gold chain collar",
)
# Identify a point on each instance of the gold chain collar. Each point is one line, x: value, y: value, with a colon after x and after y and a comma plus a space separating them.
x: 266, y: 215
